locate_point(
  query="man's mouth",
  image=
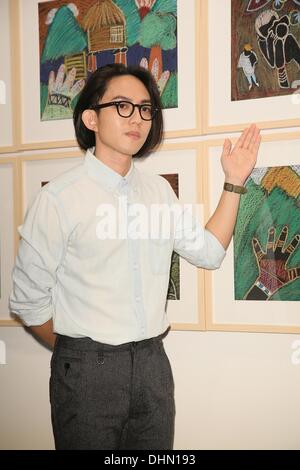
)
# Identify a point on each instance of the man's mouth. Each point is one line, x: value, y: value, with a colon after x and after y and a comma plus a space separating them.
x: 133, y: 135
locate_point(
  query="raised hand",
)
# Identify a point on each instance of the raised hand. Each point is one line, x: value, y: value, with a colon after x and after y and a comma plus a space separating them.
x: 238, y: 162
x: 272, y: 265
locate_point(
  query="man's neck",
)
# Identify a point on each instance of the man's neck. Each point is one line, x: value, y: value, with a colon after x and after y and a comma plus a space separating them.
x: 118, y: 163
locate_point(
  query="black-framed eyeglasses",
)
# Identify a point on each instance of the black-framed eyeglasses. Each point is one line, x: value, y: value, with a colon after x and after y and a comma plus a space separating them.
x: 126, y: 109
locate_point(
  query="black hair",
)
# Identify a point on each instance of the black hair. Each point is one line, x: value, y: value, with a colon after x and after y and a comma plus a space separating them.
x: 95, y: 88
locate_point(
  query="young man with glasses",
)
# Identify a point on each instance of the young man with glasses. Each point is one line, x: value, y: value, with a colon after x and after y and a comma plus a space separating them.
x: 101, y: 300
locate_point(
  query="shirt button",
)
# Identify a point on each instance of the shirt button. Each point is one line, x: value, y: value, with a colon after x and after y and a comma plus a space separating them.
x: 138, y: 299
x: 135, y: 265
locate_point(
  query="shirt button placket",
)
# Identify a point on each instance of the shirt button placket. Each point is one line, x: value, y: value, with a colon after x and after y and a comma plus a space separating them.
x: 137, y: 280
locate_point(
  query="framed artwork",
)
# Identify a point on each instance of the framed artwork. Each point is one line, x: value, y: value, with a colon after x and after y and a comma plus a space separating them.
x: 9, y: 102
x: 252, y: 64
x: 9, y: 220
x: 181, y: 165
x: 37, y: 170
x: 62, y: 43
x: 259, y: 279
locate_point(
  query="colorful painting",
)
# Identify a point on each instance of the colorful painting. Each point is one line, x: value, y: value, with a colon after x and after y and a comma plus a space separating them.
x: 265, y: 53
x: 267, y: 236
x: 174, y: 283
x: 78, y: 37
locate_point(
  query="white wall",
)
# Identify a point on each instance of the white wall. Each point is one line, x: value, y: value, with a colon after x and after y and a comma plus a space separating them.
x: 233, y: 391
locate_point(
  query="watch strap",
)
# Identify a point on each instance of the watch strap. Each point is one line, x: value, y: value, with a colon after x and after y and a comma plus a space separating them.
x: 234, y: 188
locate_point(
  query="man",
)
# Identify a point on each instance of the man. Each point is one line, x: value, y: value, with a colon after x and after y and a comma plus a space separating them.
x: 103, y: 298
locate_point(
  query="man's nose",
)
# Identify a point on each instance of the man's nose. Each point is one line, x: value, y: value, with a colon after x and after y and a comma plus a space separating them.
x: 136, y: 116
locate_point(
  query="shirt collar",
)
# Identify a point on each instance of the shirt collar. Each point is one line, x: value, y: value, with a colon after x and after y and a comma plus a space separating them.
x: 109, y: 179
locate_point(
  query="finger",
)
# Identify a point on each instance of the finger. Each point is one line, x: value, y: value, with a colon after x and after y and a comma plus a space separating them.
x: 281, y: 239
x: 241, y: 139
x: 77, y: 88
x: 226, y: 148
x: 60, y: 77
x: 70, y: 78
x: 293, y: 274
x: 144, y: 63
x: 249, y: 137
x: 293, y: 245
x: 163, y: 81
x: 271, y: 240
x: 254, y: 146
x: 155, y: 69
x: 255, y: 137
x: 257, y: 249
x: 51, y: 82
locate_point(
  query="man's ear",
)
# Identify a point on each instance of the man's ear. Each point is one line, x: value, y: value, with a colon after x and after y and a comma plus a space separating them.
x: 89, y: 118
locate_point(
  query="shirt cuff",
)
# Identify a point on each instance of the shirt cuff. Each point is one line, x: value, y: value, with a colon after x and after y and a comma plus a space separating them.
x: 34, y: 317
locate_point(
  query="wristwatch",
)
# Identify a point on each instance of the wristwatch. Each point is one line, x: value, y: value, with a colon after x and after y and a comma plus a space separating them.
x: 234, y: 188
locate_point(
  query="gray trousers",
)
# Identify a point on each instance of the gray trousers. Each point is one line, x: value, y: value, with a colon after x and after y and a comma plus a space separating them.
x: 111, y: 397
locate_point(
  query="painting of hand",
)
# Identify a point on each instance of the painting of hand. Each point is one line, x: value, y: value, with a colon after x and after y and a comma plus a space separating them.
x: 62, y: 90
x: 272, y: 265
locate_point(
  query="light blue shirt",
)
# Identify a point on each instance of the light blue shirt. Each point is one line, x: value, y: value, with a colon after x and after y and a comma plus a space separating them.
x: 112, y: 290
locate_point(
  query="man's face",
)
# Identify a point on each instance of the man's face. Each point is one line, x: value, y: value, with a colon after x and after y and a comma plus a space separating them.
x: 116, y: 135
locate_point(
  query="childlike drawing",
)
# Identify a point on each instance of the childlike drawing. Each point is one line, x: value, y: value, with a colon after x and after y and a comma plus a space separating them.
x: 277, y: 44
x: 272, y: 265
x: 62, y: 89
x: 247, y: 62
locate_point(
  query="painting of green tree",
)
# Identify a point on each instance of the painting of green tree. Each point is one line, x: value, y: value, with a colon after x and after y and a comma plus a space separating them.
x: 78, y: 37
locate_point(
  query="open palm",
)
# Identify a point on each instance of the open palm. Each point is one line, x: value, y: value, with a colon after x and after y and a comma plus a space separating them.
x: 239, y: 161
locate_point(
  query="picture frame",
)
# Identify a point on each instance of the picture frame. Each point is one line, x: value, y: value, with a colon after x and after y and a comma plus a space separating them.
x: 185, y: 160
x: 37, y: 134
x: 223, y: 312
x: 219, y: 113
x: 38, y: 169
x: 10, y: 217
x: 9, y: 92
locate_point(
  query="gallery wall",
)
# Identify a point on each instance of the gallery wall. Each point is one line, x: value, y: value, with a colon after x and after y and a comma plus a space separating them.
x: 235, y: 361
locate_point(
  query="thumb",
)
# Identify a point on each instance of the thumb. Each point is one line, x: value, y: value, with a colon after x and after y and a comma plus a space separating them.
x: 226, y: 148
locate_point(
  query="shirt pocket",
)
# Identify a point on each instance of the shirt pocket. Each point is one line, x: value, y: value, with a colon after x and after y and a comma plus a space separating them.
x: 160, y: 252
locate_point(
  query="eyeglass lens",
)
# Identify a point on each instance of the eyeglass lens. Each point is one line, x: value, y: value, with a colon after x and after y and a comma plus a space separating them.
x: 126, y: 109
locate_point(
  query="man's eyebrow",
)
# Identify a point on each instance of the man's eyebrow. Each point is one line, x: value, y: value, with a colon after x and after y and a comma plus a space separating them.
x: 125, y: 98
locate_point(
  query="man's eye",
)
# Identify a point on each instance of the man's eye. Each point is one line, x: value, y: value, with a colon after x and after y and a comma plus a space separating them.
x: 123, y: 105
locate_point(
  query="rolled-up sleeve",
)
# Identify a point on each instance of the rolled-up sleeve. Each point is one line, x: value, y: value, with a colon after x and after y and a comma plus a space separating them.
x: 191, y: 240
x: 198, y: 245
x: 41, y: 250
